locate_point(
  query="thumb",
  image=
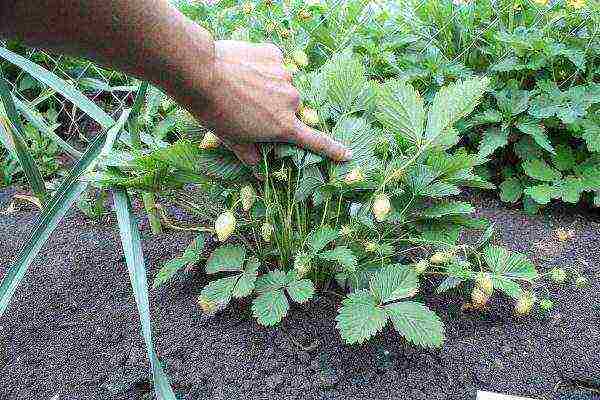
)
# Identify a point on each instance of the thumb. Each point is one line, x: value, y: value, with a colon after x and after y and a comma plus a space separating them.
x: 246, y: 152
x: 318, y: 142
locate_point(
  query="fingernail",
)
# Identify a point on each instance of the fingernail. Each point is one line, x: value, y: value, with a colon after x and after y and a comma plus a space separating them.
x: 347, y: 155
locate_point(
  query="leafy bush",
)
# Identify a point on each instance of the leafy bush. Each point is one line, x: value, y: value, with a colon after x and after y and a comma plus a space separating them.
x: 370, y: 225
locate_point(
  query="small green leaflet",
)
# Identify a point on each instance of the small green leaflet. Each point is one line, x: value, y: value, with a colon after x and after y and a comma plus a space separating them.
x: 220, y: 291
x: 511, y: 190
x: 542, y: 194
x: 493, y: 139
x: 321, y: 237
x: 226, y: 258
x: 448, y: 208
x: 363, y: 312
x: 271, y: 304
x: 190, y: 256
x: 342, y: 255
x: 539, y: 169
x: 508, y: 268
x: 535, y: 129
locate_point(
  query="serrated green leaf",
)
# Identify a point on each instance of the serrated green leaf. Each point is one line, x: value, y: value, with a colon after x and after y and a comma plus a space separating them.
x: 511, y: 190
x: 345, y: 80
x: 193, y: 252
x: 591, y: 134
x: 453, y: 102
x: 564, y: 159
x: 220, y: 290
x: 570, y: 188
x: 400, y: 110
x: 508, y: 267
x: 342, y: 255
x: 356, y: 134
x: 226, y: 258
x: 321, y: 237
x: 417, y: 323
x: 360, y: 317
x: 536, y: 130
x: 270, y: 307
x: 539, y: 169
x: 394, y: 282
x: 247, y: 279
x: 273, y: 280
x: 440, y: 190
x: 542, y: 194
x: 448, y: 208
x: 168, y: 271
x: 301, y: 290
x: 493, y: 139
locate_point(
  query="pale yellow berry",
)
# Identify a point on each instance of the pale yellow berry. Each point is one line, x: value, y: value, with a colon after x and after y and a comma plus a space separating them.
x: 346, y: 231
x: 208, y: 306
x: 381, y: 207
x: 304, y: 15
x: 371, y: 247
x: 225, y: 225
x: 284, y: 33
x: 300, y: 58
x: 421, y: 266
x: 524, y: 303
x: 558, y: 275
x: 441, y: 257
x: 209, y: 141
x: 396, y: 175
x: 248, y: 196
x: 247, y: 7
x: 541, y: 2
x: 266, y: 231
x: 354, y: 176
x: 484, y: 282
x: 576, y: 4
x: 281, y: 175
x: 479, y: 298
x: 309, y: 116
x: 270, y: 27
x: 302, y: 264
x: 291, y: 67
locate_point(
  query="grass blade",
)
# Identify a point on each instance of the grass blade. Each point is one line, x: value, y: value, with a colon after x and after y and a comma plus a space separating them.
x: 61, y: 86
x: 132, y: 247
x: 39, y: 123
x: 17, y: 137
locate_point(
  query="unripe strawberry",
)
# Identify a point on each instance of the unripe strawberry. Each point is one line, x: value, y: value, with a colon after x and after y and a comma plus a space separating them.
x: 421, y: 266
x: 247, y: 7
x: 270, y: 27
x: 225, y: 225
x: 581, y: 281
x: 371, y: 247
x: 248, y: 196
x: 546, y: 305
x: 284, y: 33
x: 302, y: 264
x: 479, y: 298
x: 524, y: 303
x: 304, y: 15
x: 381, y: 207
x: 209, y: 141
x: 309, y: 116
x: 382, y: 146
x: 396, y: 175
x: 484, y: 282
x: 266, y: 231
x: 441, y: 257
x: 558, y: 275
x: 208, y: 306
x: 354, y: 176
x: 300, y: 58
x: 291, y: 67
x: 346, y: 230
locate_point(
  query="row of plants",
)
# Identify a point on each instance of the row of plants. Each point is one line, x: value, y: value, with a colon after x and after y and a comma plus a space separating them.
x: 378, y: 230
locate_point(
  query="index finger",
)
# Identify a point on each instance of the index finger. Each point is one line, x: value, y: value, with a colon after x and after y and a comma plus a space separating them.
x: 318, y: 142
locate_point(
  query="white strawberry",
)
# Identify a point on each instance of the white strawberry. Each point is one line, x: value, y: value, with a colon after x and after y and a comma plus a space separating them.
x: 225, y: 225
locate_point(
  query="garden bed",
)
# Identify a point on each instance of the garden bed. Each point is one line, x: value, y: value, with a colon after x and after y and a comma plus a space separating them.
x: 72, y: 329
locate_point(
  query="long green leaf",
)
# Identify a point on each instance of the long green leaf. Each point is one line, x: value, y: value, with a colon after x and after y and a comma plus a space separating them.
x: 55, y: 210
x: 132, y: 247
x: 17, y: 137
x: 38, y: 123
x: 61, y: 86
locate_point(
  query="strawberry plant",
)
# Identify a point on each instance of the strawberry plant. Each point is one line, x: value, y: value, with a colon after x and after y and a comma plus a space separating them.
x: 374, y: 227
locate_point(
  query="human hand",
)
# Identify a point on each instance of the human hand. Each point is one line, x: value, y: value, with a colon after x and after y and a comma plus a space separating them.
x: 250, y: 99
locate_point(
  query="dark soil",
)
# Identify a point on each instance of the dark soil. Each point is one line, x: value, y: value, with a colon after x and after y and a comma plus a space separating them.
x: 72, y: 330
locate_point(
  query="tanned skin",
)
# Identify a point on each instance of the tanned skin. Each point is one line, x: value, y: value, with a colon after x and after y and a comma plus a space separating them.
x: 239, y: 88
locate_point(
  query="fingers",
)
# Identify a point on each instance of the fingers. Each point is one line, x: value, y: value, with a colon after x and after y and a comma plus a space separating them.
x: 318, y: 142
x: 246, y: 152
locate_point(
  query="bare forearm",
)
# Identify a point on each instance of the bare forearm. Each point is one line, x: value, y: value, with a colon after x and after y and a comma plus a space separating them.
x: 149, y: 39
